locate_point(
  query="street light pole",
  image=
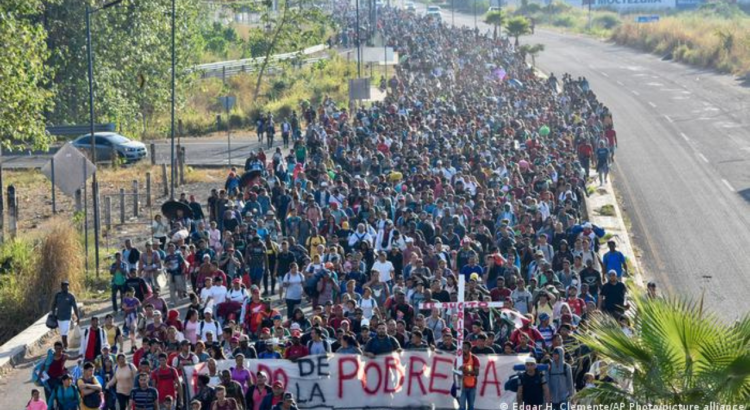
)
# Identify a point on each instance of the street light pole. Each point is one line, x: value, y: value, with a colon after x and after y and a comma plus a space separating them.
x: 359, y: 47
x: 94, y: 183
x: 453, y: 13
x: 475, y: 16
x: 172, y: 130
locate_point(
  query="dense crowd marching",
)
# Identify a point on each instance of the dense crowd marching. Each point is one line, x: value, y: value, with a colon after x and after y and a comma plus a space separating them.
x: 473, y: 166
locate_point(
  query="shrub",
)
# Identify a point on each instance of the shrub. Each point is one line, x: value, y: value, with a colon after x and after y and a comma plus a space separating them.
x: 31, y: 274
x: 564, y: 21
x: 607, y: 21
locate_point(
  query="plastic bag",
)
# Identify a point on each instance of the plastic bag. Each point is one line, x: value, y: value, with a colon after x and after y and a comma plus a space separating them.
x: 74, y: 338
x: 51, y: 321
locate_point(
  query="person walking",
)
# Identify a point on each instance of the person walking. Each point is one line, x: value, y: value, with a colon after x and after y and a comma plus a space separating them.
x: 561, y: 386
x: 534, y: 390
x: 63, y: 306
x: 470, y: 372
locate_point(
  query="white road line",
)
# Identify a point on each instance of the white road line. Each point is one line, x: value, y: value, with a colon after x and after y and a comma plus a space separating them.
x: 731, y: 188
x: 652, y: 104
x: 685, y: 137
x: 635, y: 92
x: 703, y: 157
x: 620, y: 83
x: 668, y: 118
x: 604, y: 74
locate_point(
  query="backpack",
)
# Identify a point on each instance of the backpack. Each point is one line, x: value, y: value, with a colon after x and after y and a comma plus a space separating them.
x: 92, y: 400
x: 513, y: 383
x: 311, y: 285
x: 325, y: 344
x: 66, y: 405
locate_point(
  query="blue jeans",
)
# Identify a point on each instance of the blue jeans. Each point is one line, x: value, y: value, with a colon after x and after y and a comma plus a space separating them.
x: 466, y: 401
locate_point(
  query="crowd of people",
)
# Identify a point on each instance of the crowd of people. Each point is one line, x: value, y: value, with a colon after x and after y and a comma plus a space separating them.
x: 472, y: 166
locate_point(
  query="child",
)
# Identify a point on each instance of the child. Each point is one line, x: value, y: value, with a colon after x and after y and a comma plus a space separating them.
x: 130, y: 305
x: 35, y: 403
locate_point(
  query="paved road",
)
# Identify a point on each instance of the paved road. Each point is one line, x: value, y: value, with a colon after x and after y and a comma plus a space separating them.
x: 682, y: 166
x: 203, y: 151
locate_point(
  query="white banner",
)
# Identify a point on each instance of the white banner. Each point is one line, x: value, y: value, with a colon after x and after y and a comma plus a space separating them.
x: 410, y: 380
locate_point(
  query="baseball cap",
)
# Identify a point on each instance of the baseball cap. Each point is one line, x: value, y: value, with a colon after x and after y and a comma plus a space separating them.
x: 295, y: 326
x: 530, y: 360
x: 543, y: 316
x: 278, y: 384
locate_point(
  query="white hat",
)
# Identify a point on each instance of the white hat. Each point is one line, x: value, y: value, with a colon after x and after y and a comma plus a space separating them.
x: 530, y: 360
x: 208, y: 310
x: 295, y: 326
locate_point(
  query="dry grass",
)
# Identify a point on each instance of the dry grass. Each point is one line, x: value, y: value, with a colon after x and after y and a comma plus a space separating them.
x: 695, y: 38
x: 32, y: 270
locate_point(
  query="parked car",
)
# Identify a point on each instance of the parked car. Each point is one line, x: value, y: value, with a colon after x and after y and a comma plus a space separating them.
x: 434, y: 12
x: 111, y: 143
x: 493, y: 8
x: 411, y: 7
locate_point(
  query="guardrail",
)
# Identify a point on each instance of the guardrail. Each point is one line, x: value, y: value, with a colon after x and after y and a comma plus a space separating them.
x: 244, y: 64
x: 272, y: 67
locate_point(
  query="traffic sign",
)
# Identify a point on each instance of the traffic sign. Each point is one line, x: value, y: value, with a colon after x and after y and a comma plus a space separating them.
x: 647, y: 19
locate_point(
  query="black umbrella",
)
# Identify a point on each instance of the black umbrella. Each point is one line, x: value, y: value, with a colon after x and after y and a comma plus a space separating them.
x: 247, y: 178
x: 170, y: 208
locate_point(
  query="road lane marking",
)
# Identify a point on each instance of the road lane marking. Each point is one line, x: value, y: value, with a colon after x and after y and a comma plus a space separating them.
x: 652, y: 104
x: 685, y: 137
x: 604, y: 74
x: 635, y: 92
x: 703, y: 157
x: 620, y: 83
x: 668, y: 118
x: 731, y: 188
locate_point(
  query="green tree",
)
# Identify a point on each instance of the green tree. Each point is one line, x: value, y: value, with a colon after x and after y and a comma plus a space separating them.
x: 496, y: 18
x: 24, y: 96
x: 132, y: 64
x: 291, y: 26
x: 518, y: 26
x: 531, y: 50
x: 678, y: 354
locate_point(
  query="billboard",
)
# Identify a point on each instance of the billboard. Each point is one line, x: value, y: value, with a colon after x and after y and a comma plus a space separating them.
x: 633, y: 5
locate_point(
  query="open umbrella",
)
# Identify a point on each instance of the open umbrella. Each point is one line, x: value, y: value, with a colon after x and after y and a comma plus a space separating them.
x: 169, y: 209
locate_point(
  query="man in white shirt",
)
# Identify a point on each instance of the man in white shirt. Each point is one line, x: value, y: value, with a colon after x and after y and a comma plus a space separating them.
x: 384, y: 268
x: 208, y: 325
x: 218, y: 291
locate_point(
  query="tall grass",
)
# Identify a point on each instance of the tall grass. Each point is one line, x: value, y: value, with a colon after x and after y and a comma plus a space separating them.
x: 280, y: 93
x: 698, y: 38
x: 30, y: 273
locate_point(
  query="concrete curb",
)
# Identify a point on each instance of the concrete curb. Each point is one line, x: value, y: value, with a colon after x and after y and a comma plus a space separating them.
x: 16, y: 348
x: 614, y: 225
x: 27, y: 342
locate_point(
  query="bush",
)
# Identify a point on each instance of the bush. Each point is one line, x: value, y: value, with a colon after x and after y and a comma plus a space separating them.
x: 607, y: 21
x: 31, y: 274
x: 564, y: 21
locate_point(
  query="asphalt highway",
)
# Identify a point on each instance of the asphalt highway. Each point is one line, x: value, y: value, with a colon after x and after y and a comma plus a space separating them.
x: 682, y: 164
x: 681, y: 168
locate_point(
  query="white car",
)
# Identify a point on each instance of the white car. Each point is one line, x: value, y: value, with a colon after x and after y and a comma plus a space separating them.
x: 493, y: 8
x: 108, y: 144
x: 411, y: 7
x: 434, y: 11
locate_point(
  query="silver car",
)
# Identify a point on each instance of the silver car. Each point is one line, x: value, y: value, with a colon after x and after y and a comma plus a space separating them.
x: 108, y: 144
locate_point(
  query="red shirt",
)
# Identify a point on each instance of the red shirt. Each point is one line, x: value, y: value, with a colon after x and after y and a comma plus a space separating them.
x: 296, y: 352
x: 164, y: 380
x: 611, y: 136
x: 499, y: 295
x: 585, y: 150
x: 577, y: 305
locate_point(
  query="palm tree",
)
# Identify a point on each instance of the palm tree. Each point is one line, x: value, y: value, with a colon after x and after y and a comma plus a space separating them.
x: 496, y: 18
x: 531, y: 50
x: 517, y: 27
x: 677, y: 354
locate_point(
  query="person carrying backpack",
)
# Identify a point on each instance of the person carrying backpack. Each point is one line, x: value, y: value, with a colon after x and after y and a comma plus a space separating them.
x: 90, y: 389
x: 560, y: 379
x: 65, y: 396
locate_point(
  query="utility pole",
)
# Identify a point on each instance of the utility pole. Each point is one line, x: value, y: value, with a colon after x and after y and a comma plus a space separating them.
x: 173, y: 161
x: 453, y: 13
x: 359, y: 47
